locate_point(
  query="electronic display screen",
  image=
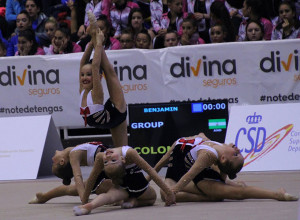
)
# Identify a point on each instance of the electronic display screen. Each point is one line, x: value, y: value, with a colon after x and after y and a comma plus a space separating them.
x: 154, y: 127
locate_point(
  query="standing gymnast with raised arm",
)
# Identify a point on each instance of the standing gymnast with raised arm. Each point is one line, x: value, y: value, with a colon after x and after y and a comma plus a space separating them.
x: 111, y: 115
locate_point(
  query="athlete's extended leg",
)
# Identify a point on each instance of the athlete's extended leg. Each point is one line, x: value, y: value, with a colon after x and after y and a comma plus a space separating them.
x: 112, y: 196
x: 113, y: 84
x: 59, y: 191
x: 119, y: 133
x: 218, y: 191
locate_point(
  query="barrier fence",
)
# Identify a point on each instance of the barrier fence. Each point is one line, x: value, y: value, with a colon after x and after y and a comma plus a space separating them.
x: 245, y: 73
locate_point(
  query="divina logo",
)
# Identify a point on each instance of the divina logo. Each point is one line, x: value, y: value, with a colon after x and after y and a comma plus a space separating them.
x: 138, y: 72
x: 33, y: 77
x: 208, y: 67
x: 275, y: 62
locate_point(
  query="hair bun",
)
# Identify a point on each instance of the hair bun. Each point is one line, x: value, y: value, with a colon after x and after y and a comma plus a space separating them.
x: 66, y: 182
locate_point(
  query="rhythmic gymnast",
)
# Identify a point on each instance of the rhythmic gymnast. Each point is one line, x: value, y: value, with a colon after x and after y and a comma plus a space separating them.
x: 123, y: 165
x: 66, y: 164
x: 111, y: 115
x: 198, y: 169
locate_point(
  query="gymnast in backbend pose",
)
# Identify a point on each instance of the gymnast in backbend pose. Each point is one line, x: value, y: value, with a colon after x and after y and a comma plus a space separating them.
x: 66, y: 164
x: 123, y: 165
x: 111, y: 115
x: 198, y: 169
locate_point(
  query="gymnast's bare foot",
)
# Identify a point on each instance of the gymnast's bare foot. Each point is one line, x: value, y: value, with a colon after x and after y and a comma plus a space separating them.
x: 38, y: 199
x: 284, y: 196
x: 130, y: 203
x: 82, y: 210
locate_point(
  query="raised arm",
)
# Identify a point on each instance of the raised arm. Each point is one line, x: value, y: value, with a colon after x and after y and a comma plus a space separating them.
x: 84, y: 60
x: 75, y: 158
x: 132, y: 156
x: 165, y: 159
x: 204, y: 160
x: 97, y: 169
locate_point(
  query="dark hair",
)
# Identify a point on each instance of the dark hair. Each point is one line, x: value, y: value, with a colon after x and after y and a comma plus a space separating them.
x: 128, y: 31
x: 261, y: 26
x: 38, y: 3
x: 256, y: 7
x: 171, y: 31
x: 25, y: 13
x: 131, y: 14
x: 190, y: 18
x: 65, y: 173
x: 110, y: 29
x: 292, y: 5
x: 29, y: 34
x: 219, y: 9
x: 64, y: 28
x: 229, y: 169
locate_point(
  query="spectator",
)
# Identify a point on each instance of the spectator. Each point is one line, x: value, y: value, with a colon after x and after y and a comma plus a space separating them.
x: 98, y: 7
x: 13, y: 8
x: 289, y: 26
x: 50, y: 27
x: 143, y: 40
x: 235, y: 10
x: 110, y: 43
x: 61, y: 43
x: 126, y: 39
x: 23, y: 22
x: 173, y: 18
x: 2, y: 49
x: 254, y: 31
x: 136, y: 23
x: 171, y: 38
x: 170, y: 20
x: 220, y: 15
x: 27, y: 44
x: 201, y: 11
x: 252, y: 9
x: 218, y: 33
x: 33, y: 7
x: 157, y: 9
x: 119, y: 15
x: 190, y: 35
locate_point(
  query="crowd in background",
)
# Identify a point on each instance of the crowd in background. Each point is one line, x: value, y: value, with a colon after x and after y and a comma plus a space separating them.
x: 47, y: 27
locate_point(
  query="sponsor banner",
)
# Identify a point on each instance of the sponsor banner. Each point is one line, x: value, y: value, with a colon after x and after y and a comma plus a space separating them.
x: 39, y: 85
x: 267, y: 135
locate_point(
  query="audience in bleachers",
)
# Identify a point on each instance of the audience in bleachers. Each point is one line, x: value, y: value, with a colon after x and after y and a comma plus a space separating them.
x: 13, y: 8
x: 27, y: 44
x: 143, y: 40
x: 254, y: 31
x: 253, y: 10
x: 218, y: 33
x: 129, y: 23
x: 61, y: 42
x: 171, y: 38
x: 190, y: 34
x: 288, y: 26
x: 127, y: 39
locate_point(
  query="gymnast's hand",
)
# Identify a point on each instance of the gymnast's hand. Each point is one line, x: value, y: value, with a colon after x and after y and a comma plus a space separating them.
x: 170, y: 199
